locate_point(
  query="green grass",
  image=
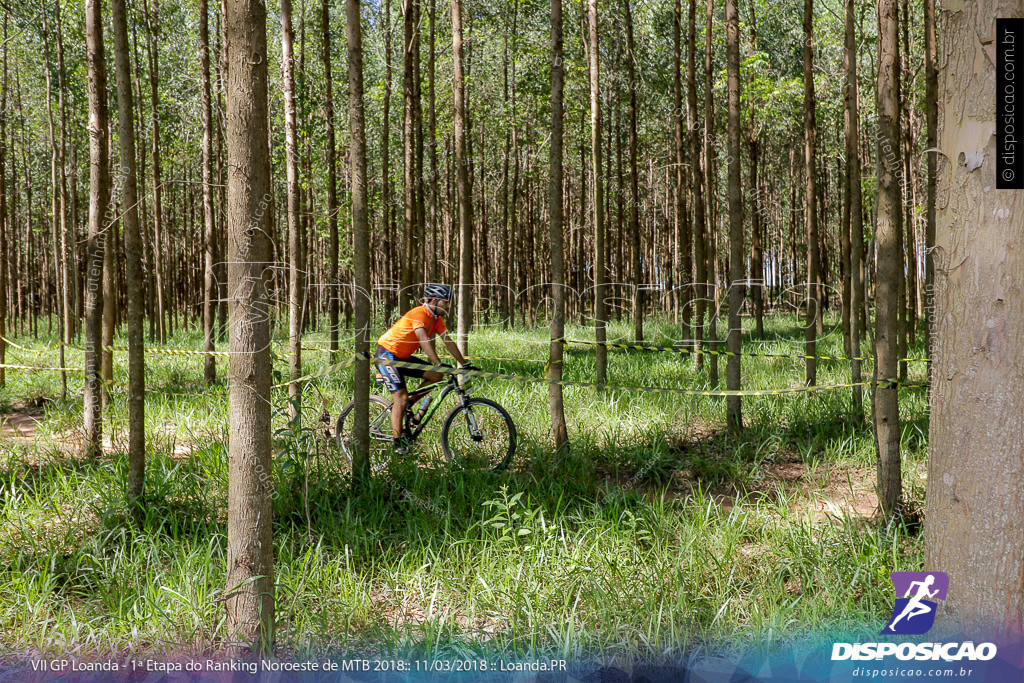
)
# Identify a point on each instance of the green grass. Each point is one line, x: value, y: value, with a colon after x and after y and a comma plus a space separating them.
x: 654, y: 533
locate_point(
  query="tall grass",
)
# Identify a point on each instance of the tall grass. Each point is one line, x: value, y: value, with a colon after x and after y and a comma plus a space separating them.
x: 655, y: 532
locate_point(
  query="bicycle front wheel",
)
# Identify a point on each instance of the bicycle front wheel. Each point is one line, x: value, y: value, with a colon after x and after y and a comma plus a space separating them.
x: 479, y: 435
x: 380, y: 433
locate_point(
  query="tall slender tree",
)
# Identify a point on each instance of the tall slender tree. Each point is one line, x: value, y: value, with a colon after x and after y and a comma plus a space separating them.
x: 462, y: 162
x: 296, y: 260
x: 332, y: 182
x: 133, y: 259
x: 210, y: 289
x: 597, y: 203
x: 99, y: 198
x: 634, y: 181
x: 697, y: 184
x: 887, y: 301
x: 249, y: 594
x: 734, y: 414
x: 360, y: 237
x: 852, y: 121
x: 813, y: 299
x: 556, y: 211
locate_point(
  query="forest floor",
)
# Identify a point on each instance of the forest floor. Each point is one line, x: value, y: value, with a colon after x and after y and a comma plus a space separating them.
x: 654, y: 533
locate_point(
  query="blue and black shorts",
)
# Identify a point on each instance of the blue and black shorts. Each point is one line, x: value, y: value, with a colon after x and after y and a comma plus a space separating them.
x: 394, y: 378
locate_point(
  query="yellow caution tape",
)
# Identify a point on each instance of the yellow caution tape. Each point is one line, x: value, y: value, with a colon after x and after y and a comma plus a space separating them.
x: 882, y: 384
x: 714, y: 352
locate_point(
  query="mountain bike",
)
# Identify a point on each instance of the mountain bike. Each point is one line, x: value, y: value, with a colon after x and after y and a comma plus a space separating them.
x: 477, y: 433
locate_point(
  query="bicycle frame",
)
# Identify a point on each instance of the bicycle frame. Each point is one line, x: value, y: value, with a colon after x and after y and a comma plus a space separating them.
x: 452, y: 386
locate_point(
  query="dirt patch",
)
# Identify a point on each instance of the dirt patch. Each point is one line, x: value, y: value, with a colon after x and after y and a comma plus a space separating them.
x: 20, y: 424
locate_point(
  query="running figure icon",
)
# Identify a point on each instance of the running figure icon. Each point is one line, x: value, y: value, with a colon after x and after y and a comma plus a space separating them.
x: 916, y: 603
x: 915, y: 606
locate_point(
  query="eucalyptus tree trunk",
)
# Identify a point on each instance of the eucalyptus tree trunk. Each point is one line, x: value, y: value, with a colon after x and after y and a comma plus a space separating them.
x: 600, y: 316
x: 56, y: 185
x: 158, y: 190
x: 99, y: 199
x: 465, y: 311
x: 555, y: 221
x: 360, y: 237
x: 684, y: 258
x: 734, y: 413
x: 976, y: 446
x: 856, y: 228
x: 887, y: 299
x: 332, y: 181
x: 634, y: 182
x: 210, y: 293
x: 811, y: 199
x: 697, y: 183
x: 296, y: 260
x: 249, y: 594
x: 931, y: 86
x: 133, y: 260
x: 758, y: 205
x: 409, y: 94
x: 3, y: 216
x: 711, y: 185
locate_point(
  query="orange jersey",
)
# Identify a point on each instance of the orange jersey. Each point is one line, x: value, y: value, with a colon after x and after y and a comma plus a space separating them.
x: 401, y: 338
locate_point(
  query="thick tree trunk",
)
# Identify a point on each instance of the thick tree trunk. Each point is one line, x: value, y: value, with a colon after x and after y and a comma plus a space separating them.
x: 99, y: 198
x: 734, y: 414
x: 465, y: 304
x: 249, y: 595
x: 555, y: 220
x: 811, y: 199
x: 976, y: 447
x: 887, y: 301
x: 133, y: 261
x: 600, y: 315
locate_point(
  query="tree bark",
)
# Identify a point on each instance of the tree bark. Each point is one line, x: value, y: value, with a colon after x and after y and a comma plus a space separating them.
x: 210, y: 293
x: 249, y: 594
x: 976, y: 447
x: 465, y: 304
x: 931, y: 122
x: 856, y: 228
x: 332, y: 182
x: 811, y: 199
x: 697, y: 183
x: 887, y: 299
x: 683, y: 262
x: 133, y: 261
x: 296, y: 260
x: 555, y: 221
x: 99, y: 198
x: 737, y: 290
x: 360, y: 236
x: 634, y: 182
x: 3, y: 216
x: 158, y: 190
x: 600, y: 315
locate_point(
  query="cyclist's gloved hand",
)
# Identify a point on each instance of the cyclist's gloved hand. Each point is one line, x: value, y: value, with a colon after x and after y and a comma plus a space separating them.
x: 470, y: 366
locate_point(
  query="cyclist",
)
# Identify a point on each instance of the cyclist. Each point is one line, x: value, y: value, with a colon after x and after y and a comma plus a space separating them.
x: 415, y: 330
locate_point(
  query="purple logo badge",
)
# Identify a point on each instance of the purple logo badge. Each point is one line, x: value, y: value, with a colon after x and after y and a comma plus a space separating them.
x: 917, y: 594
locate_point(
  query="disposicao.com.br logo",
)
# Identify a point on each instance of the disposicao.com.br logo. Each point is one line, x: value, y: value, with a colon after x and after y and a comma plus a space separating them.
x: 913, y: 614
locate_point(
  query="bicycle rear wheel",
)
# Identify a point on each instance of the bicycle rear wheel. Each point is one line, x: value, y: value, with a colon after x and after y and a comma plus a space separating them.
x: 380, y: 433
x: 479, y: 435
